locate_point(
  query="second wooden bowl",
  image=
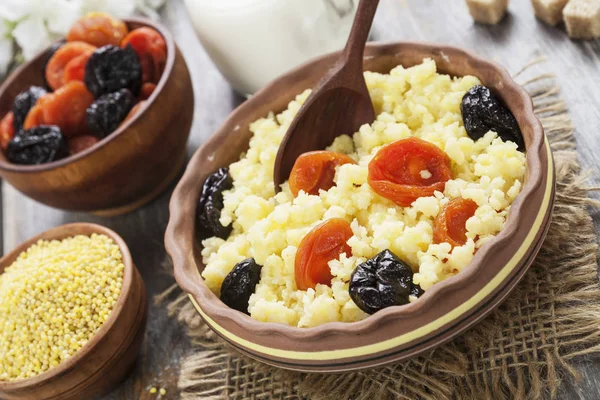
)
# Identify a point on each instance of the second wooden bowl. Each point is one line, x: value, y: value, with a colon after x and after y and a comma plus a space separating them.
x: 395, y: 333
x: 108, y: 357
x: 129, y: 167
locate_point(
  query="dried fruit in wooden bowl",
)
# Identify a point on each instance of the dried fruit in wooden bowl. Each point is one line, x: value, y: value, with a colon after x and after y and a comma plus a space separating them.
x: 95, y: 85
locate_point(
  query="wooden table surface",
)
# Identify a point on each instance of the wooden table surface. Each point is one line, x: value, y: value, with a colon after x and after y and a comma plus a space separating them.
x: 518, y: 39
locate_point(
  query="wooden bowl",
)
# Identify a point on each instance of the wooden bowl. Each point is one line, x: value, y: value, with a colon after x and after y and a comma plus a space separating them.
x: 128, y: 168
x: 107, y: 358
x: 394, y: 333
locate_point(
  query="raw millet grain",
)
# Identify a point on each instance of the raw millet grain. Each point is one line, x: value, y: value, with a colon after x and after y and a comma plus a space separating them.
x: 53, y: 299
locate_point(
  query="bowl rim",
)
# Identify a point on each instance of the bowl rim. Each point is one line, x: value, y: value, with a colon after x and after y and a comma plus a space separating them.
x: 5, y: 165
x: 70, y: 363
x: 182, y: 252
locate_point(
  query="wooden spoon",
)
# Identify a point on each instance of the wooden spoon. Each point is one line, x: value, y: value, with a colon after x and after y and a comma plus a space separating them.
x: 340, y: 104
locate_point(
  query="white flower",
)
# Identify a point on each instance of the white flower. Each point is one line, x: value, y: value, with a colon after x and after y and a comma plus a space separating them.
x: 13, y: 10
x: 32, y: 36
x: 39, y: 22
x: 62, y: 15
x: 34, y: 24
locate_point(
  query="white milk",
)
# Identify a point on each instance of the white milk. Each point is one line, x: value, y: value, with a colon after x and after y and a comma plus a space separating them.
x: 254, y: 41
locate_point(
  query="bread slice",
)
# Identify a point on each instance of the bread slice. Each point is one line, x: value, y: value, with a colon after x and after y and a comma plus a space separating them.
x: 582, y: 18
x: 487, y: 11
x: 549, y: 11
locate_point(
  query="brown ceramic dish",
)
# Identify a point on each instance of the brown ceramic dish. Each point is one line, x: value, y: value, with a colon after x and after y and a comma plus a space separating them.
x: 129, y: 167
x: 395, y: 333
x: 107, y: 358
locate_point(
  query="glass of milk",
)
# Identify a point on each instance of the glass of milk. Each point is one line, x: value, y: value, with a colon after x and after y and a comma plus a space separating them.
x: 254, y: 41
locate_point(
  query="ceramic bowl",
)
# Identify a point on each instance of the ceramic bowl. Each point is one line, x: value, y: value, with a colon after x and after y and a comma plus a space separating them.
x: 107, y: 358
x: 394, y: 333
x: 129, y: 167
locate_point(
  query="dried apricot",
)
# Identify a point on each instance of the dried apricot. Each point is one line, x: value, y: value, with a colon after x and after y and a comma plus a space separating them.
x: 147, y: 90
x: 75, y: 69
x: 7, y: 130
x: 151, y: 49
x: 315, y: 170
x: 98, y: 29
x: 450, y: 224
x: 55, y: 70
x: 48, y: 55
x: 35, y: 117
x: 78, y: 144
x: 65, y: 108
x: 408, y: 169
x: 325, y: 242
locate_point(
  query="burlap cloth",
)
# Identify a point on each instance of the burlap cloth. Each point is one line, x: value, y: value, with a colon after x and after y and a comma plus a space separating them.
x: 524, y: 349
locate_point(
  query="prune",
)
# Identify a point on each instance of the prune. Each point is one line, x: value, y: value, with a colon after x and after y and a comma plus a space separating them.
x: 382, y: 281
x: 416, y: 291
x: 151, y: 49
x: 315, y: 170
x: 239, y: 284
x: 211, y: 204
x: 25, y: 102
x: 396, y: 171
x: 48, y: 55
x: 99, y: 29
x: 55, y: 70
x: 111, y: 68
x: 106, y: 114
x: 482, y: 112
x: 38, y: 145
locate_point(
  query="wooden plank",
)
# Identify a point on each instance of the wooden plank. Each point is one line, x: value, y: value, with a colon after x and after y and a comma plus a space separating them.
x: 519, y: 38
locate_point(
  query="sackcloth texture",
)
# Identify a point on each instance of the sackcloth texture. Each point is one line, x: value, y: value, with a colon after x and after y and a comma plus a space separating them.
x: 523, y: 350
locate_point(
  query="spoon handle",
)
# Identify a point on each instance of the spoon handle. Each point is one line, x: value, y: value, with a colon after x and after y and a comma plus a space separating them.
x: 363, y: 20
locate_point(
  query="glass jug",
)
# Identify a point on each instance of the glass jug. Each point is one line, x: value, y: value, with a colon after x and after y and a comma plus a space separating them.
x: 254, y: 41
